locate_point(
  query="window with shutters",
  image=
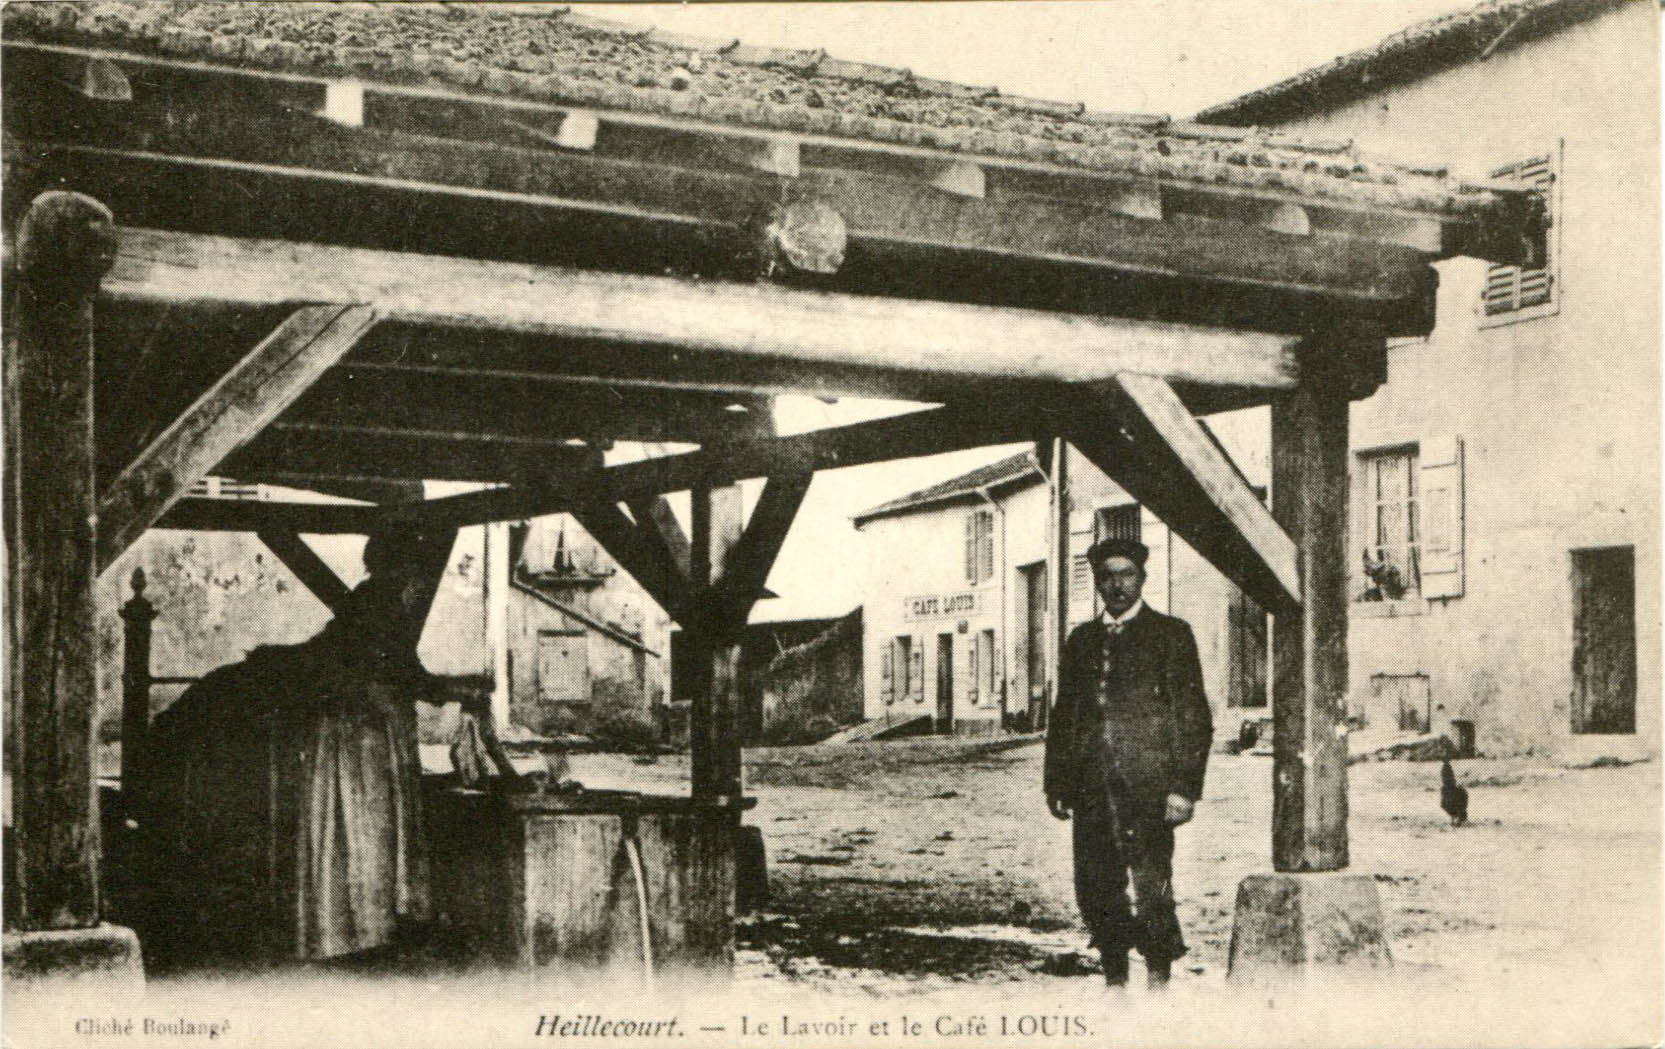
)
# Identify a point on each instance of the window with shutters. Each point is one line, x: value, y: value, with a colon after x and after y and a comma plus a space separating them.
x: 1514, y: 293
x: 979, y: 547
x: 887, y: 671
x: 1392, y: 537
x: 1407, y: 525
x: 1119, y: 522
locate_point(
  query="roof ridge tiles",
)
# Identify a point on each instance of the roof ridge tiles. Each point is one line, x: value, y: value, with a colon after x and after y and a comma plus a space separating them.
x: 863, y: 72
x: 606, y: 26
x: 798, y: 60
x: 1046, y: 106
x: 690, y: 41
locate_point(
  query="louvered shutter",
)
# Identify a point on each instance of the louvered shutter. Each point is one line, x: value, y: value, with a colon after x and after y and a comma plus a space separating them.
x: 984, y: 545
x: 1440, y: 480
x: 887, y: 671
x: 1512, y: 288
x: 916, y: 670
x: 971, y: 549
x: 971, y: 690
x: 1081, y: 573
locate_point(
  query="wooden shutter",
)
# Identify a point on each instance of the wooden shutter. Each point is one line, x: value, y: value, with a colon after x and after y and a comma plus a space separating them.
x: 916, y: 670
x: 971, y: 691
x: 1512, y: 288
x: 887, y: 671
x: 1082, y: 534
x: 1359, y: 512
x: 985, y: 545
x: 971, y: 548
x: 1440, y: 484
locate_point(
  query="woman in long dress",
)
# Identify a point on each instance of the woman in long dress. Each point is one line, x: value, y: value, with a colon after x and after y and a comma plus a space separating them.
x: 283, y: 805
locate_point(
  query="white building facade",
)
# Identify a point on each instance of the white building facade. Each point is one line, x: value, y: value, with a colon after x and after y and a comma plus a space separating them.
x: 1505, y: 529
x: 954, y: 625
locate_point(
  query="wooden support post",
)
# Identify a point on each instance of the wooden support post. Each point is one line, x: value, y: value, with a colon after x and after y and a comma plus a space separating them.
x: 1309, y: 645
x: 319, y: 578
x: 65, y: 245
x: 136, y: 616
x: 1061, y: 453
x: 1311, y: 917
x: 715, y: 654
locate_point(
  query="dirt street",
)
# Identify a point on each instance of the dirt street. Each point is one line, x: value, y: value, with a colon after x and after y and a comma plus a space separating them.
x: 913, y: 866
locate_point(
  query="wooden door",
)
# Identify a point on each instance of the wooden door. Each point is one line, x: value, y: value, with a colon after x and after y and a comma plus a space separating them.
x: 563, y: 666
x: 1604, y: 641
x: 1034, y: 637
x: 945, y: 683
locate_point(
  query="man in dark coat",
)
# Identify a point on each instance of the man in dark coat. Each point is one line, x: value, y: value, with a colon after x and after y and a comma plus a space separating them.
x: 1125, y: 755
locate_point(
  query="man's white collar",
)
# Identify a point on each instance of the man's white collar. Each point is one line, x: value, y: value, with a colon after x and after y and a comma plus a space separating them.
x: 1125, y: 617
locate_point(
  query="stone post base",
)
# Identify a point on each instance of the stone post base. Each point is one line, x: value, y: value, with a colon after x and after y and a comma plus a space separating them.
x: 105, y: 954
x: 1302, y: 926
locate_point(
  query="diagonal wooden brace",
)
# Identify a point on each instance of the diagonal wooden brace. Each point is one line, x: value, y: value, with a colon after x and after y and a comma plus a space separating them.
x: 1137, y: 431
x: 249, y: 397
x: 308, y: 567
x: 748, y: 564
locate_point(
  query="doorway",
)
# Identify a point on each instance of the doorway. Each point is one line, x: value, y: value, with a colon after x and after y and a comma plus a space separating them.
x: 1034, y: 638
x: 1604, y: 641
x: 945, y: 684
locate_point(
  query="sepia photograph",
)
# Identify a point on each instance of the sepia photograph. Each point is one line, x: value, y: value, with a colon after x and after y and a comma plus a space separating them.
x: 829, y: 525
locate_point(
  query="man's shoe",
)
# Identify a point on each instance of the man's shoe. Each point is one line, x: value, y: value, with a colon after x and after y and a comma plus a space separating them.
x: 1157, y: 973
x: 1115, y: 969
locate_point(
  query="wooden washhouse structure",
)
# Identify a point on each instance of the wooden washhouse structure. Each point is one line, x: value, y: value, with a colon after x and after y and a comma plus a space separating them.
x: 348, y: 248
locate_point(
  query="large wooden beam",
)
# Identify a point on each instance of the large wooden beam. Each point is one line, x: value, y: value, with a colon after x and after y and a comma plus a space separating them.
x: 373, y: 451
x: 744, y: 321
x: 64, y: 246
x: 1144, y: 439
x: 925, y: 432
x: 571, y: 363
x: 317, y: 576
x: 238, y: 407
x: 1309, y: 643
x: 416, y: 397
x: 196, y: 513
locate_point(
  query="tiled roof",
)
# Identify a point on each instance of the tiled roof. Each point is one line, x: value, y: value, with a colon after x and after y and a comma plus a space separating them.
x: 1416, y: 51
x: 561, y: 58
x: 1019, y: 467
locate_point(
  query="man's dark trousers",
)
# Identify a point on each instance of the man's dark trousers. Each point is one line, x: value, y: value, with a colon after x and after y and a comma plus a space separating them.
x: 1111, y: 843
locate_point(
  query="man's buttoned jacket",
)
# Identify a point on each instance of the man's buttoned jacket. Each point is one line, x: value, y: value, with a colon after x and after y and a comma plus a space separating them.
x: 1143, y: 724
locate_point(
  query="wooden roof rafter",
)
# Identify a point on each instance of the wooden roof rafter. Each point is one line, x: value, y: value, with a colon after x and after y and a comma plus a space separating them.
x: 449, y: 112
x: 690, y: 195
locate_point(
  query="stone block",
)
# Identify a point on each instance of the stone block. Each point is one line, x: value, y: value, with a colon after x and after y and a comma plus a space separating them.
x: 104, y: 954
x: 1293, y: 927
